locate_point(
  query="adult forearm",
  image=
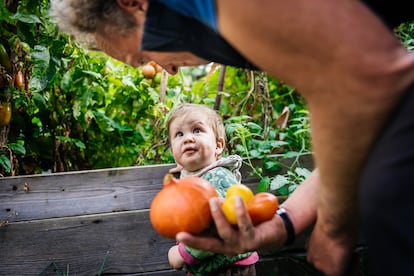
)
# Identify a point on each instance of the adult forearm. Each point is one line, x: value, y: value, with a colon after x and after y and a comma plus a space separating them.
x: 301, y: 205
x: 351, y: 77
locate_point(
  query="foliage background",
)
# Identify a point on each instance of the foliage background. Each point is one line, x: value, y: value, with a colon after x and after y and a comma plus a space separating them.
x: 80, y: 109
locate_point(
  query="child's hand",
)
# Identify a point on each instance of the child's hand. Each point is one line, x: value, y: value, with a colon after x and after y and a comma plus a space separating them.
x: 174, y: 258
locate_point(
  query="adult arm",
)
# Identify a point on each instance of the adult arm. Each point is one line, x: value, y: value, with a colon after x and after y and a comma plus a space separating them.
x: 350, y: 69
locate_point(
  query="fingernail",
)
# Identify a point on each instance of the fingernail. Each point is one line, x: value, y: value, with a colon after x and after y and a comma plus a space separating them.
x: 238, y: 202
x: 213, y: 204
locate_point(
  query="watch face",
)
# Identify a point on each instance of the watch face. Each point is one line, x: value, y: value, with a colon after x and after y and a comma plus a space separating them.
x: 280, y: 211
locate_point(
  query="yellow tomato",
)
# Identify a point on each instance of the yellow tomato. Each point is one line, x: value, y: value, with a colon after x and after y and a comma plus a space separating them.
x: 241, y: 190
x: 229, y: 210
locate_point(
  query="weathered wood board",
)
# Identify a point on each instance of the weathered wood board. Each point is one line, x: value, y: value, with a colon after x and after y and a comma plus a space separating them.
x: 87, y: 222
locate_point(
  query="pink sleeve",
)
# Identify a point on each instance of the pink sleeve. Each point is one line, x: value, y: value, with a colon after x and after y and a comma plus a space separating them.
x: 188, y: 259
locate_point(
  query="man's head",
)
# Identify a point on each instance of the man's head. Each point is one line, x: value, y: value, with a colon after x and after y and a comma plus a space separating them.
x: 170, y: 39
x: 115, y: 27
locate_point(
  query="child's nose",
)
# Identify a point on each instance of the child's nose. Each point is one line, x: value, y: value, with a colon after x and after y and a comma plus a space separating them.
x: 189, y: 137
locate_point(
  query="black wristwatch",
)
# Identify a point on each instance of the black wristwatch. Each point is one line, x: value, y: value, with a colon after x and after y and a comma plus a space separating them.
x: 290, y: 231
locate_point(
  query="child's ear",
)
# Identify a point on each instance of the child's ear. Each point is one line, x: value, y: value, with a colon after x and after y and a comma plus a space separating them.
x: 219, y: 146
x: 133, y: 5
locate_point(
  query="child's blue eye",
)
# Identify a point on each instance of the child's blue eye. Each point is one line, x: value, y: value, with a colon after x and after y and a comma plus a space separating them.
x: 179, y: 134
x: 197, y: 130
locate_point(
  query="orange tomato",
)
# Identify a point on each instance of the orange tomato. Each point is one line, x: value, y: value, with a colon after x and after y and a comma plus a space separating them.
x: 148, y: 71
x: 262, y: 207
x: 156, y: 66
x: 182, y: 205
x: 19, y: 80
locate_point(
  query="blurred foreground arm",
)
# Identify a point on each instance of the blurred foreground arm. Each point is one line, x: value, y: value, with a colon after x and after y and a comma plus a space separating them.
x: 351, y: 70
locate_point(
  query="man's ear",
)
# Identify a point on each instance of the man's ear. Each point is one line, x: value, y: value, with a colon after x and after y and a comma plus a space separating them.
x: 133, y: 5
x: 219, y: 146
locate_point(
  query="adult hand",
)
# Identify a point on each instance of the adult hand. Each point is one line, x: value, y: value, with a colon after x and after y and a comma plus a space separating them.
x: 235, y: 240
x: 332, y: 255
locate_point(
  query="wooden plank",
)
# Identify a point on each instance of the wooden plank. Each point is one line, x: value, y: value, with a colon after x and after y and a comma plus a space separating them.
x: 122, y: 243
x: 92, y: 192
x: 80, y: 193
x: 81, y: 244
x: 71, y: 220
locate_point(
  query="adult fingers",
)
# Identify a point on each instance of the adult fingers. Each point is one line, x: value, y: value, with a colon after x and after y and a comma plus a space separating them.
x: 246, y: 228
x: 204, y: 243
x: 224, y: 229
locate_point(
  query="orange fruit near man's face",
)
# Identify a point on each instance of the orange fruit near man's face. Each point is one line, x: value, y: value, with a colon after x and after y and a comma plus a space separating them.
x: 148, y: 71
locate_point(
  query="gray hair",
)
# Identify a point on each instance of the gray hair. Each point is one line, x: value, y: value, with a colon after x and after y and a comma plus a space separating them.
x: 84, y: 18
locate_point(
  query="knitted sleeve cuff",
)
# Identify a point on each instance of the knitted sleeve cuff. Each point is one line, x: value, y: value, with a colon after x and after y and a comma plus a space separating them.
x: 188, y: 259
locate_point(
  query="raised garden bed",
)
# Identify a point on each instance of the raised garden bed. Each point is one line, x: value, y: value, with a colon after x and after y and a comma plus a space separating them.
x: 97, y: 222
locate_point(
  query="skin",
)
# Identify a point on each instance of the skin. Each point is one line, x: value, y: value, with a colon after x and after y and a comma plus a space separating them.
x: 174, y: 258
x: 351, y: 80
x: 268, y: 235
x: 194, y: 146
x: 193, y: 142
x: 126, y: 48
x: 352, y: 71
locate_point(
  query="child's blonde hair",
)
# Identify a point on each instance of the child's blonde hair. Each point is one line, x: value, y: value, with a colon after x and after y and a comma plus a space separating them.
x: 194, y: 109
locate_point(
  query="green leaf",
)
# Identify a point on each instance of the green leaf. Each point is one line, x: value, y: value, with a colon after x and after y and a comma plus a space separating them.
x: 93, y: 74
x: 39, y: 99
x: 41, y: 60
x: 263, y: 184
x: 36, y: 121
x: 78, y: 143
x: 278, y: 182
x: 5, y: 163
x: 292, y: 188
x: 40, y: 57
x: 302, y: 172
x: 26, y: 18
x: 278, y: 144
x: 272, y: 166
x: 17, y: 148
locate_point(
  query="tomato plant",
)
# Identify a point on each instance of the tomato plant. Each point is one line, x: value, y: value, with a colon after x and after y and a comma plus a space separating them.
x: 79, y: 109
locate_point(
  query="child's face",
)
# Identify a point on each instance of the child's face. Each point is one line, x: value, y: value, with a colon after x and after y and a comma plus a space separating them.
x: 193, y: 142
